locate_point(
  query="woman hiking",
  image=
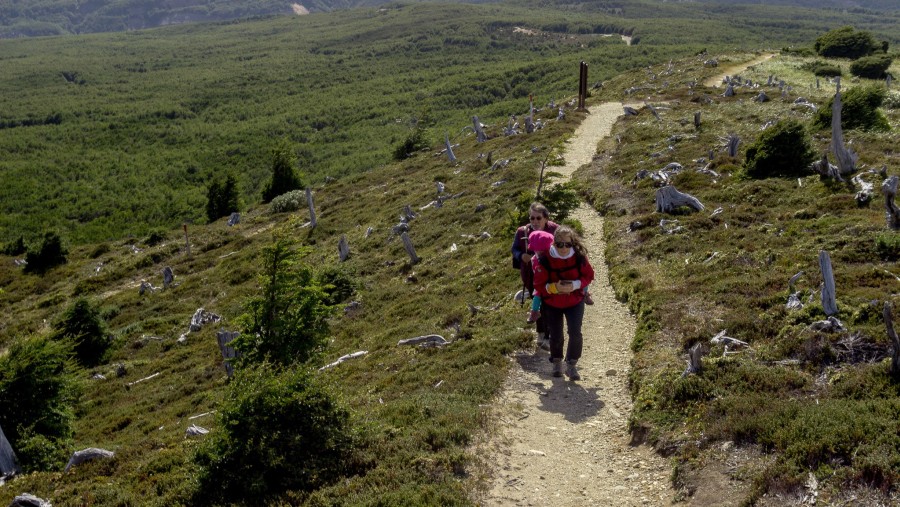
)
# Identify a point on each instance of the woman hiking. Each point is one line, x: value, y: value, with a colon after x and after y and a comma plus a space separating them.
x: 558, y: 280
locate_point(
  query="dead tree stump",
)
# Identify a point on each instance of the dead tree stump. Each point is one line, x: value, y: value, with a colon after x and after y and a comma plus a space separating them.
x: 410, y: 249
x: 8, y: 465
x: 343, y: 248
x: 312, y: 208
x: 889, y: 189
x: 224, y: 338
x: 829, y: 303
x: 668, y: 198
x: 846, y: 158
x: 895, y: 342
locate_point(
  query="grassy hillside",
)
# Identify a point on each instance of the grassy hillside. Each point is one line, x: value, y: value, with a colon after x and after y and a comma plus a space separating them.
x: 106, y: 136
x: 799, y: 401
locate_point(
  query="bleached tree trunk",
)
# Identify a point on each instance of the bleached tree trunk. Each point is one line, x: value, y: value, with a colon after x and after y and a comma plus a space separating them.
x: 829, y: 302
x: 668, y: 198
x: 312, y: 208
x: 343, y: 248
x: 479, y: 130
x: 224, y: 338
x: 410, y: 249
x: 8, y: 465
x: 895, y: 342
x: 846, y: 159
x: 697, y: 119
x: 889, y: 189
x: 450, y: 154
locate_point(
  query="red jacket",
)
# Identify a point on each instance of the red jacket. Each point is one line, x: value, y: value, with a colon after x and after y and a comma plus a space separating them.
x: 561, y: 269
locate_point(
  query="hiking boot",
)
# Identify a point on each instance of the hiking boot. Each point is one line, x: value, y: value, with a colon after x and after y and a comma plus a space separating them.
x: 533, y: 316
x: 557, y: 367
x: 571, y: 371
x: 588, y: 300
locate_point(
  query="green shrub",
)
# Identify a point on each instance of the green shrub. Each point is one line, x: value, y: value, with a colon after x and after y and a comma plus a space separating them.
x: 280, y: 430
x: 887, y: 244
x: 221, y: 198
x: 16, y: 247
x: 85, y: 328
x: 823, y: 69
x: 155, y: 237
x: 49, y: 255
x: 845, y: 42
x: 288, y: 321
x: 284, y: 177
x: 783, y: 149
x: 892, y: 100
x: 337, y: 284
x: 859, y: 109
x: 291, y: 201
x: 37, y: 392
x: 872, y: 67
x: 415, y: 141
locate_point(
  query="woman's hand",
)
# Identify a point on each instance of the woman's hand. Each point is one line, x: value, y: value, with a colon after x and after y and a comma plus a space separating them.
x: 526, y: 258
x: 565, y: 286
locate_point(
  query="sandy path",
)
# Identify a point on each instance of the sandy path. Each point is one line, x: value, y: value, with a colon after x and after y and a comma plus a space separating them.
x: 564, y: 443
x: 716, y: 81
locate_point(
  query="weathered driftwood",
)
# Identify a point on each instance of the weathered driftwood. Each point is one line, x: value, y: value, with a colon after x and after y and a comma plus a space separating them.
x: 512, y: 127
x: 670, y: 226
x: 440, y: 187
x: 224, y: 338
x: 194, y: 431
x: 762, y: 97
x: 234, y: 219
x: 669, y: 198
x: 369, y: 232
x: 561, y: 115
x: 846, y: 158
x: 889, y: 189
x: 312, y: 208
x: 198, y: 416
x: 895, y: 342
x: 652, y: 110
x: 794, y: 302
x: 480, y: 136
x: 146, y: 287
x: 730, y: 143
x: 695, y: 356
x: 826, y: 169
x: 201, y: 318
x: 343, y: 358
x: 8, y: 463
x: 187, y: 241
x: 729, y: 91
x: 630, y: 111
x: 829, y: 304
x: 430, y: 340
x: 91, y: 453
x: 727, y: 342
x: 697, y: 119
x: 408, y: 214
x: 142, y: 379
x: 829, y: 325
x: 866, y: 188
x: 410, y: 249
x: 168, y: 276
x: 343, y: 248
x: 28, y: 500
x: 449, y: 149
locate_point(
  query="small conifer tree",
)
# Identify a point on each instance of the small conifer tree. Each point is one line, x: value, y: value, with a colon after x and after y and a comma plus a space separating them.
x: 284, y: 177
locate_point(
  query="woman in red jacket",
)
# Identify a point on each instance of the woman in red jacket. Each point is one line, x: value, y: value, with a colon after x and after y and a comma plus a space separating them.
x: 559, y: 278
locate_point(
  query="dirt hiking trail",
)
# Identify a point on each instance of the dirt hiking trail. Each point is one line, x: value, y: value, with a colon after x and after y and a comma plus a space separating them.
x: 565, y: 443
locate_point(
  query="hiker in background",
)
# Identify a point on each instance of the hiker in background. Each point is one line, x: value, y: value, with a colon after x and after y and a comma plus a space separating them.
x: 538, y: 220
x: 539, y: 242
x: 558, y: 281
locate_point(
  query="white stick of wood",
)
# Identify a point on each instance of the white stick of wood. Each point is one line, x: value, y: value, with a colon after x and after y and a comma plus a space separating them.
x: 829, y: 302
x: 410, y: 249
x: 312, y: 208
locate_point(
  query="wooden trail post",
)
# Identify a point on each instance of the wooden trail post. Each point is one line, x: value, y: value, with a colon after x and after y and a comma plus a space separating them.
x: 312, y: 208
x: 582, y: 85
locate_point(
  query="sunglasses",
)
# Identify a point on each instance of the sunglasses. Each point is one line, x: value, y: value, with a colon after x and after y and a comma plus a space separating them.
x: 563, y: 244
x: 536, y: 218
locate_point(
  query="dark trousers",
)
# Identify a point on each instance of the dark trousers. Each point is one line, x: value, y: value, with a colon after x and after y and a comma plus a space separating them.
x: 574, y: 315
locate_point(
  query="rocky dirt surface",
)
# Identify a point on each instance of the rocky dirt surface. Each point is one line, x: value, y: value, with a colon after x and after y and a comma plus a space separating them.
x: 564, y: 443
